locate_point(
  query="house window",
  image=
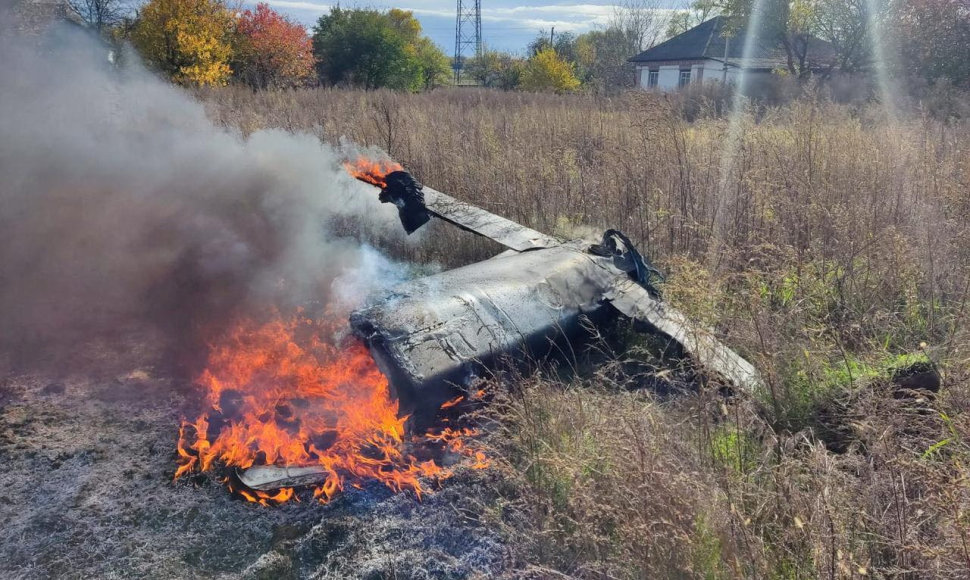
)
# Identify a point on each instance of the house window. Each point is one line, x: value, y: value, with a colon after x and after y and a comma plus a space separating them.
x: 684, y: 78
x: 653, y: 78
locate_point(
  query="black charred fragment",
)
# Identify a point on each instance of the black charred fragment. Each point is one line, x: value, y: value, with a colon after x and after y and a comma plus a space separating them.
x: 406, y: 193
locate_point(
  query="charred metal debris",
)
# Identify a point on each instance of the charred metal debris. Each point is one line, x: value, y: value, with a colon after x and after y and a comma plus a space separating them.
x: 431, y: 334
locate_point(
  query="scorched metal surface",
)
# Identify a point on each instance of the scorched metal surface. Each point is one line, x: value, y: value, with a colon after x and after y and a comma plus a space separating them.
x: 443, y: 329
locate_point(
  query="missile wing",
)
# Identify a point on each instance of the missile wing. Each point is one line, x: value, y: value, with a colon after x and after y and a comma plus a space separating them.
x: 446, y: 329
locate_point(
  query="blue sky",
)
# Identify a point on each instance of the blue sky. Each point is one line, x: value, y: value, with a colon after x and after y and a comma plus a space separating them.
x: 505, y: 26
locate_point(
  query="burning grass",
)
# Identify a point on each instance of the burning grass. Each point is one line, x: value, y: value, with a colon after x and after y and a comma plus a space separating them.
x: 292, y: 392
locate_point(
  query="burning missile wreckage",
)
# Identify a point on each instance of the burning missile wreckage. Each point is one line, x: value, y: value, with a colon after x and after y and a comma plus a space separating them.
x: 433, y: 339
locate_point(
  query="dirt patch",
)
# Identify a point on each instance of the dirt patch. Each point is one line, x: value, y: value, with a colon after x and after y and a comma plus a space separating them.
x: 87, y: 491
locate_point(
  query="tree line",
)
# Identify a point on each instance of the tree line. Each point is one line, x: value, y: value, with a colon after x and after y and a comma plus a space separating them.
x: 206, y: 42
x: 595, y: 61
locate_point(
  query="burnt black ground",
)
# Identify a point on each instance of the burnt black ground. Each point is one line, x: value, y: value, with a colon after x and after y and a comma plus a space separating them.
x: 86, y: 490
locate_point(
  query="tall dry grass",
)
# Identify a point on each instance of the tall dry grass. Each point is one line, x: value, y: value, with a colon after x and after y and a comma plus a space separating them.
x: 828, y: 243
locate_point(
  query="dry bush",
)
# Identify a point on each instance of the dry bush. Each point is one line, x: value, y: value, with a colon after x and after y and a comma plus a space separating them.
x: 611, y: 488
x: 828, y: 243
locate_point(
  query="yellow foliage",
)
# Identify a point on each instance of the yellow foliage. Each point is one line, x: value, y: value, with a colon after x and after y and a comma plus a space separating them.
x: 189, y: 40
x: 801, y: 15
x: 545, y: 71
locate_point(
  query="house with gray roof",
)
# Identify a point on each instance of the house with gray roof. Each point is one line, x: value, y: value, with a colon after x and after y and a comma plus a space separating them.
x: 709, y: 52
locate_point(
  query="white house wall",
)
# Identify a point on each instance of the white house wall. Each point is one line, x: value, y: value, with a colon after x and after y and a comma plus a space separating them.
x: 697, y: 73
x: 669, y: 78
x: 705, y: 71
x: 642, y: 80
x: 713, y: 71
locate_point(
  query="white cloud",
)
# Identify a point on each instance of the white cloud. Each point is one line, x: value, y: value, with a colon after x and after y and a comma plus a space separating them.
x: 293, y: 5
x: 505, y: 27
x: 562, y: 16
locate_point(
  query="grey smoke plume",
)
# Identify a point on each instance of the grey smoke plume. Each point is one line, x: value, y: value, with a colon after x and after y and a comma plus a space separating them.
x: 122, y: 205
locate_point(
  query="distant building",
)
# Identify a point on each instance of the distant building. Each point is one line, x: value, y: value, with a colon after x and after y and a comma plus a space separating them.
x: 705, y: 54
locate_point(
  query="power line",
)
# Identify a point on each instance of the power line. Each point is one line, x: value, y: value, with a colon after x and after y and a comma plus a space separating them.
x: 468, y: 34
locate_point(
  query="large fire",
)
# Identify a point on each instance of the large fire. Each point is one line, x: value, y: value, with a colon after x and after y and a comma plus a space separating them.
x: 371, y: 171
x: 286, y: 393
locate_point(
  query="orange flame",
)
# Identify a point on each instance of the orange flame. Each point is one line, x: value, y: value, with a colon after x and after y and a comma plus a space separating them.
x: 278, y: 394
x: 372, y: 171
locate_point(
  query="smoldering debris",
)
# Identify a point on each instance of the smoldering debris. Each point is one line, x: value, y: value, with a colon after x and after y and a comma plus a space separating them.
x: 86, y: 492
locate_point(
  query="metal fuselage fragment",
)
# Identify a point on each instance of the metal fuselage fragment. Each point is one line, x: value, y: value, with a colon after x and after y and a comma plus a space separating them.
x: 444, y: 329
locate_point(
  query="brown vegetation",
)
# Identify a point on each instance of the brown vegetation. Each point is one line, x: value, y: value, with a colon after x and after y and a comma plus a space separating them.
x: 827, y: 243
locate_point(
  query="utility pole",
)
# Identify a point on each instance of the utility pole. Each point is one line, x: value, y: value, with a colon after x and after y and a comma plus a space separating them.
x: 468, y: 34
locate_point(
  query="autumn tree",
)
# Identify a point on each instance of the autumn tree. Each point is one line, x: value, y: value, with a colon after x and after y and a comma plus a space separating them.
x: 372, y: 49
x: 599, y: 58
x: 850, y: 26
x: 546, y: 71
x: 270, y: 50
x: 563, y: 43
x: 639, y: 21
x: 188, y: 40
x: 566, y: 47
x: 847, y: 24
x: 785, y: 23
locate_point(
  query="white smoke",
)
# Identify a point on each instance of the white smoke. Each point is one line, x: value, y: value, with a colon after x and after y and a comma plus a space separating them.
x: 122, y: 204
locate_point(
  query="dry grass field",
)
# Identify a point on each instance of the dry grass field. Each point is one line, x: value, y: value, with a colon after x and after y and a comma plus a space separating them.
x: 828, y: 243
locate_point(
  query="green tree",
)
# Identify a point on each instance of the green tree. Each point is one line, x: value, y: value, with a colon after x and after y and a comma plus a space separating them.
x: 546, y: 71
x: 372, y: 49
x: 496, y: 70
x: 433, y: 65
x: 188, y: 40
